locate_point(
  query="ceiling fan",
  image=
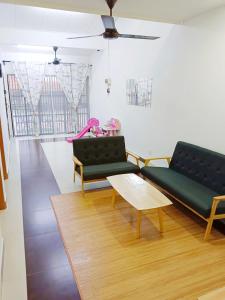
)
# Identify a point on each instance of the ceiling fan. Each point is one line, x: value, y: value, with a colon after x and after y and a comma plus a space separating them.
x: 110, y: 28
x: 56, y: 60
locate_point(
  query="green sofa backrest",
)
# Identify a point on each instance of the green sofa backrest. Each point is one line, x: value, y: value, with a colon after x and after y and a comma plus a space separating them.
x: 102, y: 150
x: 202, y: 165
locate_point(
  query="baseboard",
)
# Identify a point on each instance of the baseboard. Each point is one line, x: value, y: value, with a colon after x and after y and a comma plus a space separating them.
x: 8, y: 157
x: 1, y: 264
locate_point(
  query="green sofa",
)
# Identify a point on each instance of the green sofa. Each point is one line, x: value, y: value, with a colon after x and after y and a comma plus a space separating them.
x: 96, y: 158
x: 196, y: 178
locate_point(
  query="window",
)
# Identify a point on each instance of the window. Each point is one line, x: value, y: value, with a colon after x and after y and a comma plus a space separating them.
x: 55, y: 115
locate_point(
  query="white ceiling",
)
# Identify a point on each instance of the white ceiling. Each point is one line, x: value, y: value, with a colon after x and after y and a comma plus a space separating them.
x: 172, y: 11
x: 41, y: 19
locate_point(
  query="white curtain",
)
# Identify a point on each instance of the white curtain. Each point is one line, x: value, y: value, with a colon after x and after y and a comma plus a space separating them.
x: 30, y: 77
x: 72, y: 78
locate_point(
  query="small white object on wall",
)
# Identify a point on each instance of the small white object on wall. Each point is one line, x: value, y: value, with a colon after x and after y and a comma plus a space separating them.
x: 108, y: 83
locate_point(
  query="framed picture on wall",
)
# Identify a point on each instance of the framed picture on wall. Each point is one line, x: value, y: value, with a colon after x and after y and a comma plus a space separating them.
x: 139, y: 92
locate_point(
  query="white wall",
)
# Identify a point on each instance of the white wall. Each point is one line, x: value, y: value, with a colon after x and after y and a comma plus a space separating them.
x: 189, y: 91
x: 188, y: 88
x: 128, y: 59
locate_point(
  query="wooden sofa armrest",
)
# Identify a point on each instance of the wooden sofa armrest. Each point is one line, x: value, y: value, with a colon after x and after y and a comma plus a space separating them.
x: 136, y: 157
x: 146, y: 161
x: 215, y: 202
x: 129, y: 153
x: 77, y: 162
x: 213, y: 216
x: 219, y: 198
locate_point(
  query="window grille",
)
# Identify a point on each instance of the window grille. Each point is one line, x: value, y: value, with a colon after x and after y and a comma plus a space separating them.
x: 55, y: 114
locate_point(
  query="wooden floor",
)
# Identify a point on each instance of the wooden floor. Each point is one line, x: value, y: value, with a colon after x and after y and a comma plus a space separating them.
x: 108, y: 261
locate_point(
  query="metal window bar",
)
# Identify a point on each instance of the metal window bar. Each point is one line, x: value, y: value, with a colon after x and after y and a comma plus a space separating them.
x: 55, y: 114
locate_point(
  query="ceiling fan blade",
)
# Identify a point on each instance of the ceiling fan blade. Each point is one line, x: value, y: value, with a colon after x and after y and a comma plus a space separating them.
x: 108, y: 22
x: 140, y: 37
x: 84, y: 37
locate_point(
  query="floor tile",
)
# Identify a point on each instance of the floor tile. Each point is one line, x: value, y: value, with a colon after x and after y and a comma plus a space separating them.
x: 44, y: 251
x: 56, y: 283
x: 38, y: 203
x: 42, y: 186
x: 39, y: 222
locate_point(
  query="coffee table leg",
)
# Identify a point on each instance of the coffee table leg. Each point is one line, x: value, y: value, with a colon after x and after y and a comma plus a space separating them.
x: 113, y: 198
x: 138, y: 224
x: 160, y: 219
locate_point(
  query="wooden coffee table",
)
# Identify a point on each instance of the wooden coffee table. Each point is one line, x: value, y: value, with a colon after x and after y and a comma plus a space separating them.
x: 139, y: 194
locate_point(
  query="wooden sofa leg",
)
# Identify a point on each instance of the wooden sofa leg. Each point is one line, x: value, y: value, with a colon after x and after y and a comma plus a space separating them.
x: 211, y: 219
x: 74, y: 172
x: 83, y: 190
x: 208, y: 229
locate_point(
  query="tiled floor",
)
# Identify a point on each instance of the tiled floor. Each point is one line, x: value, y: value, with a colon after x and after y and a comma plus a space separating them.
x: 49, y: 275
x: 59, y: 155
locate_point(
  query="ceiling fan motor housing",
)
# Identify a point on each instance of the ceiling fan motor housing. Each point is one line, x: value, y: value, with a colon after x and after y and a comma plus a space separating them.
x: 56, y: 61
x: 111, y: 34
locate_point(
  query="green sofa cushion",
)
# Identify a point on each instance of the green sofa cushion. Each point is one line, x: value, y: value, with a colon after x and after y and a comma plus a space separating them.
x: 104, y: 170
x: 192, y: 193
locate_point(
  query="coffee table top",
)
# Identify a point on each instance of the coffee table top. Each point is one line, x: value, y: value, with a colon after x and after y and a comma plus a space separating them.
x: 218, y: 294
x: 138, y: 192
